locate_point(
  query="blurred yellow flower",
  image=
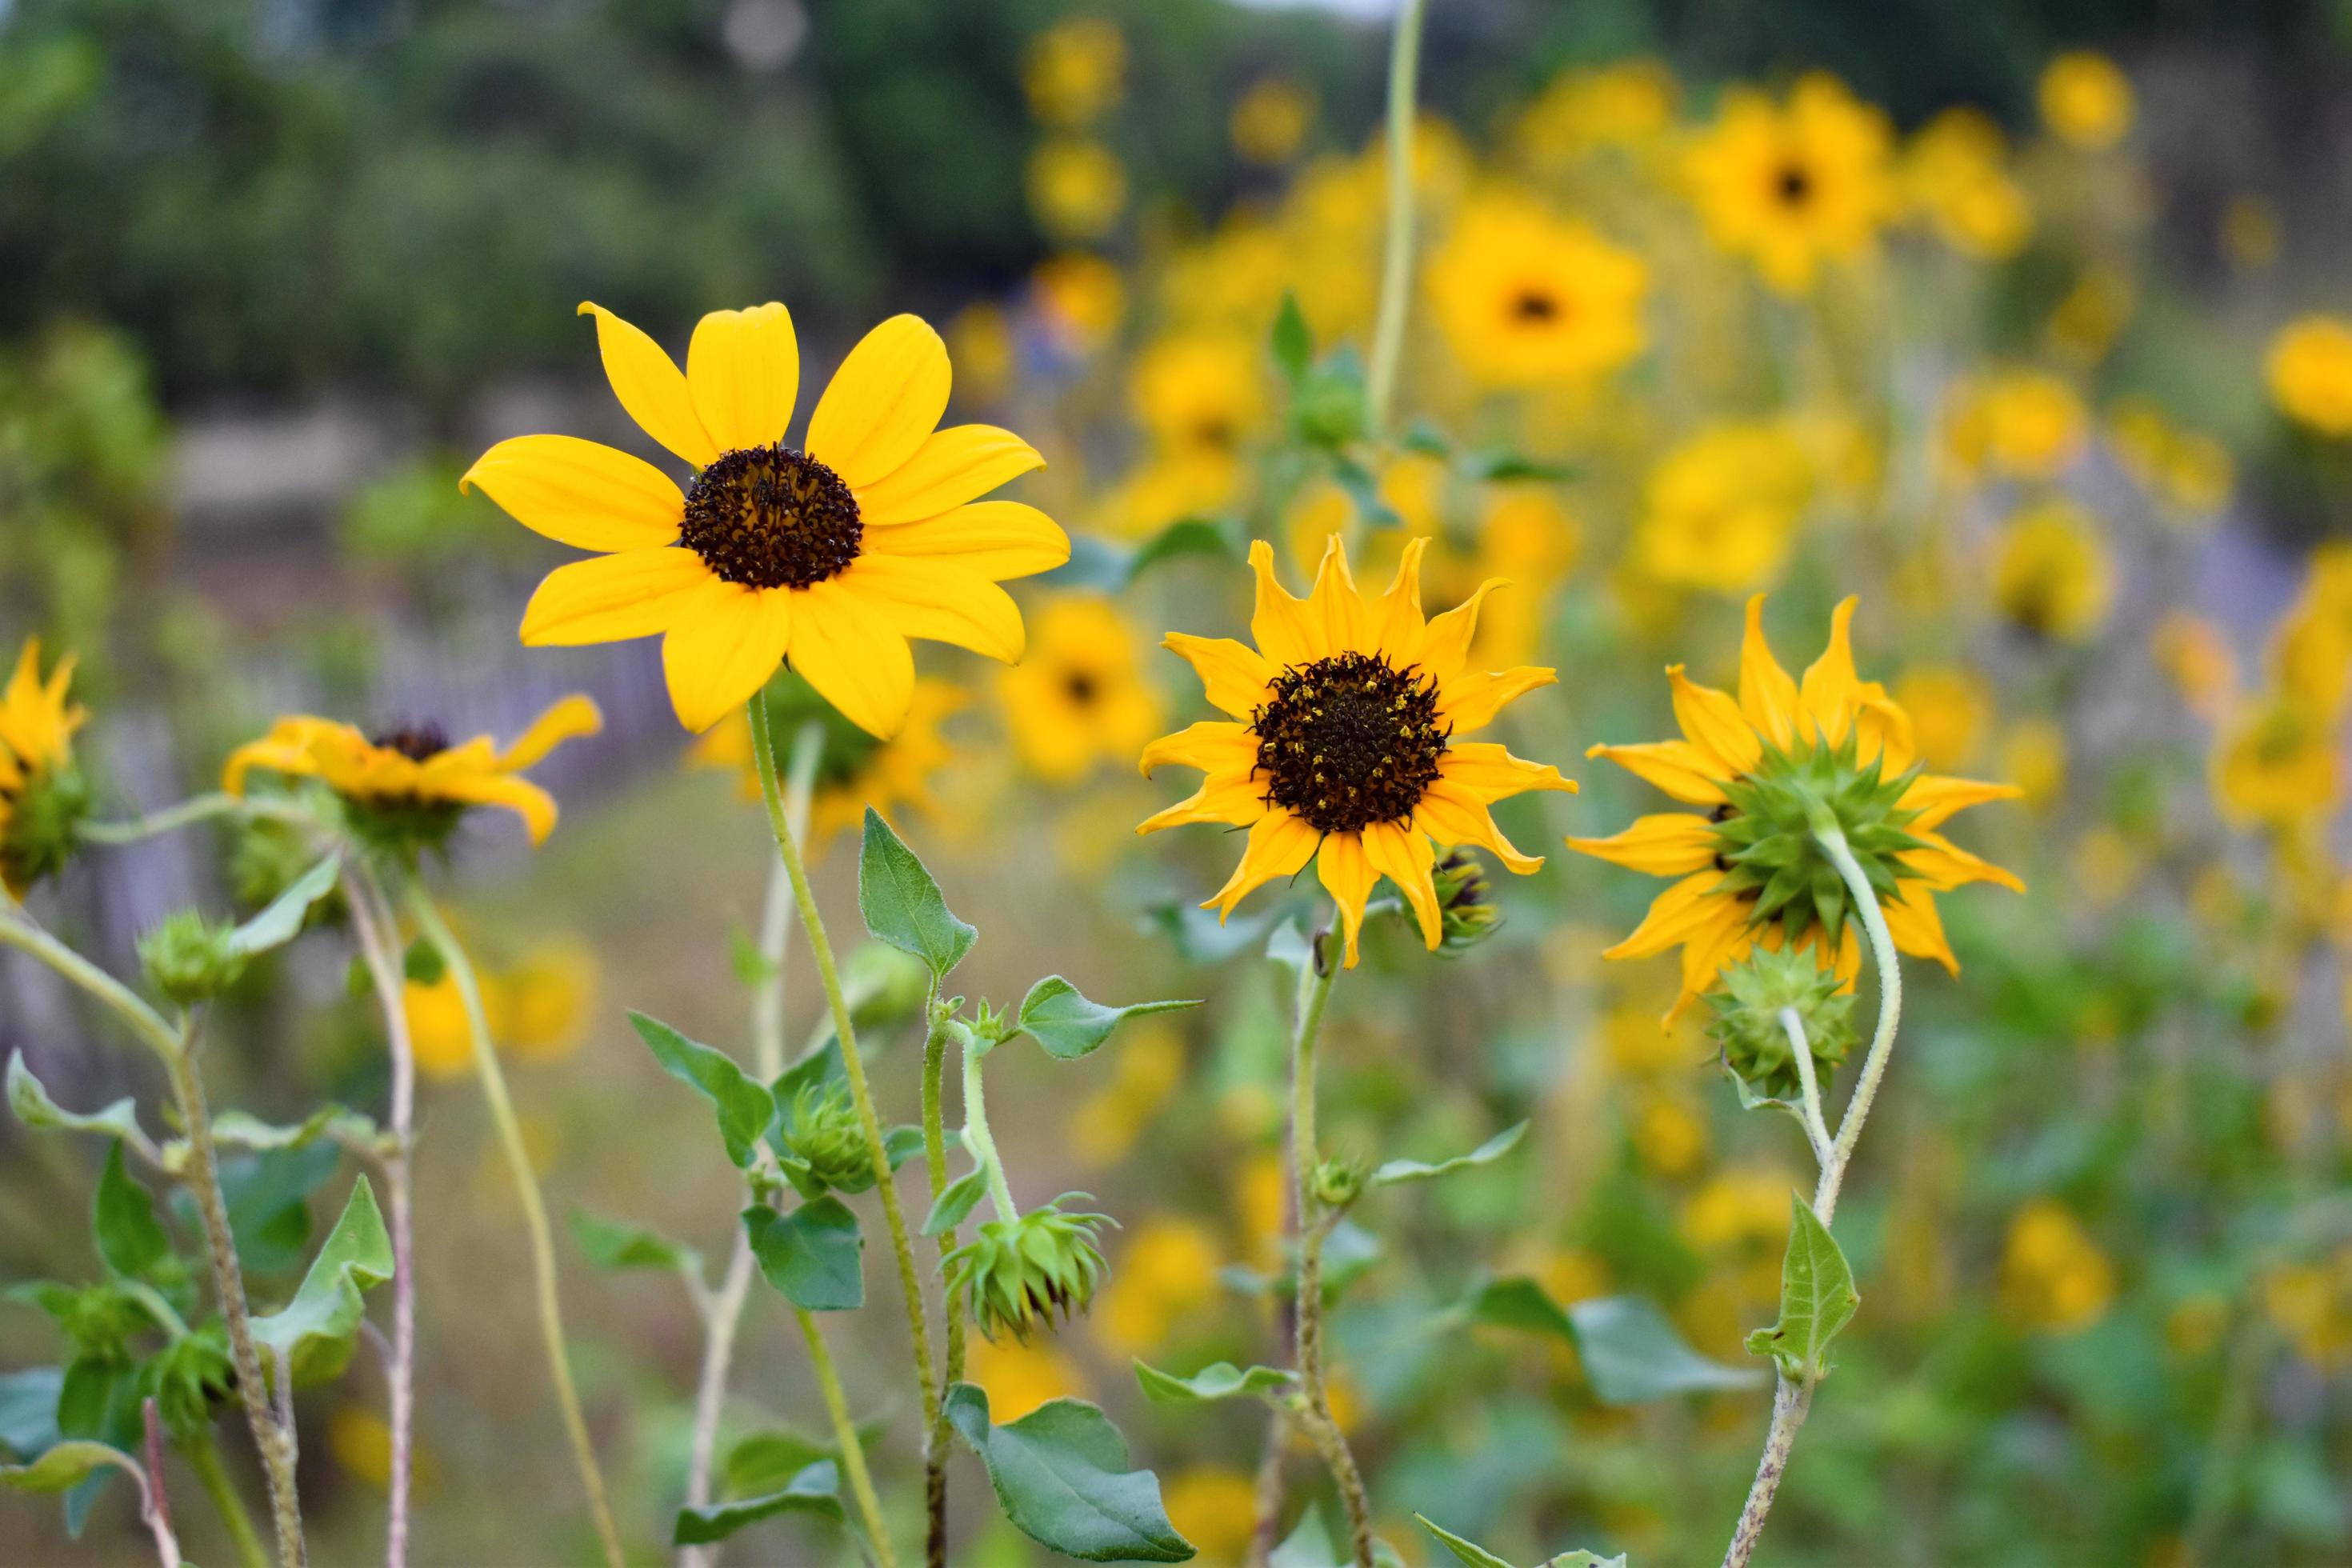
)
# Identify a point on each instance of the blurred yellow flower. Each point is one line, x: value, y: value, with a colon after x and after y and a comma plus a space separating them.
x: 2309, y: 368
x: 1796, y: 185
x: 2311, y: 1304
x: 361, y: 1442
x: 1020, y: 1377
x: 546, y: 999
x: 2024, y: 424
x: 1271, y: 118
x: 1103, y: 1128
x: 37, y: 728
x: 1527, y: 298
x: 1077, y: 187
x: 1528, y: 536
x: 1079, y: 697
x: 440, y: 1037
x: 1215, y: 1508
x: 1626, y: 104
x: 980, y: 342
x: 1261, y: 1195
x: 2194, y: 654
x: 1166, y: 1275
x: 1956, y: 171
x: 1169, y: 489
x: 1081, y: 296
x: 2276, y: 768
x: 1199, y: 393
x: 2033, y: 754
x: 1948, y: 707
x: 853, y: 769
x: 2091, y: 315
x: 2185, y: 468
x: 1073, y: 71
x: 1669, y: 1135
x: 1570, y: 1275
x: 2052, y: 573
x: 2055, y: 1279
x: 1720, y: 510
x: 2086, y: 101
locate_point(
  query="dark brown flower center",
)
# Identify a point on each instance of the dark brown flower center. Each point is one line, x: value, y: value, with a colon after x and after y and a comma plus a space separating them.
x: 1795, y: 185
x: 1534, y: 306
x: 1078, y: 685
x: 770, y: 517
x: 414, y: 741
x: 1349, y: 741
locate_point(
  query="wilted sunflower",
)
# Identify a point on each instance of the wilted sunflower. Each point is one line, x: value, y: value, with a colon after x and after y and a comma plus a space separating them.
x: 831, y: 556
x: 1792, y: 186
x: 1344, y: 745
x: 1763, y: 764
x: 853, y: 770
x: 409, y: 784
x: 42, y: 796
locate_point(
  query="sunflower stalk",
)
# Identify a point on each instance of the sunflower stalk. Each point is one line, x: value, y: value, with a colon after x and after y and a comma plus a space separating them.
x: 1396, y: 255
x: 938, y: 1016
x: 202, y: 1455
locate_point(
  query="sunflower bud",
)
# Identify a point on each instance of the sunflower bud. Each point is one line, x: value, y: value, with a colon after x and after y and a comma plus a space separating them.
x: 40, y: 824
x: 1330, y: 410
x: 189, y: 959
x: 1338, y: 1182
x: 1748, y: 1027
x: 822, y: 1131
x: 1465, y: 909
x: 1040, y: 1269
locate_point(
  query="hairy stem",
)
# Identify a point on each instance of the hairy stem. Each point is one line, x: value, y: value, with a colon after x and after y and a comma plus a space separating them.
x: 979, y: 1142
x: 935, y: 1164
x: 204, y: 1457
x: 1396, y: 255
x: 534, y: 1213
x: 197, y: 809
x: 1790, y: 1401
x: 844, y: 1432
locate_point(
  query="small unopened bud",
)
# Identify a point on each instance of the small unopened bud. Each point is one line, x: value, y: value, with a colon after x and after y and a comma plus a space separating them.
x: 42, y: 826
x: 1339, y: 1182
x: 189, y: 959
x: 1748, y: 1025
x: 1468, y: 914
x: 1330, y: 410
x: 1039, y: 1270
x: 822, y: 1131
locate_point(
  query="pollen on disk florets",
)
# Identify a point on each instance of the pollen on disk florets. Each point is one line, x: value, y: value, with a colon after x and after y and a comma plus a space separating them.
x: 770, y: 517
x: 1349, y: 741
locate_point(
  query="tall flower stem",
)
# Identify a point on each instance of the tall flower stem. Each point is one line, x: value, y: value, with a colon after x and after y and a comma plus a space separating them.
x: 853, y: 1065
x: 534, y: 1213
x: 1396, y: 255
x: 175, y: 1047
x: 1792, y: 1399
x: 935, y: 1164
x: 204, y: 1457
x: 853, y: 1452
x: 189, y: 811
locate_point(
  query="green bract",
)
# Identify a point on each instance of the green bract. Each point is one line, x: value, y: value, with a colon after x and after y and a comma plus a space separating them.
x: 1466, y: 910
x: 190, y: 959
x: 1768, y: 834
x: 821, y: 1130
x: 1748, y: 1027
x: 43, y: 826
x: 1039, y: 1270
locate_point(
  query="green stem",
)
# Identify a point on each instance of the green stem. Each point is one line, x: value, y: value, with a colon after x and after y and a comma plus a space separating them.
x: 202, y: 1455
x: 853, y: 1065
x: 196, y: 809
x: 979, y: 1142
x: 844, y: 1432
x: 935, y: 1164
x: 1396, y: 257
x: 534, y: 1213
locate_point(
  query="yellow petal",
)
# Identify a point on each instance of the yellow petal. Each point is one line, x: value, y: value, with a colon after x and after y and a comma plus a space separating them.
x: 724, y: 645
x: 1882, y: 729
x: 1235, y: 799
x: 1234, y: 675
x: 1212, y: 745
x: 1348, y: 876
x: 1454, y: 817
x: 1937, y: 799
x: 885, y: 399
x: 1767, y: 694
x: 649, y: 386
x: 1333, y: 603
x: 959, y: 463
x: 1686, y: 907
x: 1723, y: 938
x: 1712, y: 722
x: 1404, y: 857
x: 1396, y: 624
x: 1469, y: 703
x: 1485, y: 770
x: 612, y: 598
x: 743, y: 372
x: 1281, y: 626
x: 1946, y: 865
x: 1677, y: 767
x: 1918, y: 928
x: 568, y: 719
x: 846, y: 649
x: 1279, y: 845
x: 524, y: 798
x: 992, y: 539
x: 1446, y: 646
x: 1828, y: 694
x: 269, y: 754
x: 928, y: 597
x: 581, y: 493
x: 1666, y: 844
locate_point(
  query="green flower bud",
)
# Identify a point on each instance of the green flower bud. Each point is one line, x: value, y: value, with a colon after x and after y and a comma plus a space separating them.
x: 268, y: 857
x: 1748, y: 1024
x: 1038, y: 1270
x: 40, y: 826
x: 188, y: 958
x: 1338, y: 1182
x: 1330, y: 410
x: 188, y: 1379
x: 821, y: 1130
x: 1769, y: 834
x: 1466, y: 911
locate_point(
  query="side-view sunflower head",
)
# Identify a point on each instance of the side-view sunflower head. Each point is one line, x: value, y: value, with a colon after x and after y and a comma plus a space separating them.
x: 1344, y: 742
x: 1774, y: 770
x: 43, y: 795
x: 406, y: 788
x: 830, y: 554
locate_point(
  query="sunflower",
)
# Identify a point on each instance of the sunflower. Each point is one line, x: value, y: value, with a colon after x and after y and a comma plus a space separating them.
x: 831, y: 556
x: 1793, y: 185
x: 409, y: 785
x: 1527, y: 298
x: 1764, y: 765
x: 853, y: 770
x: 1080, y: 696
x: 1343, y: 746
x: 42, y: 794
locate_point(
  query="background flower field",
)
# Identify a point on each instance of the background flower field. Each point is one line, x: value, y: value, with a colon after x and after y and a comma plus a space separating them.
x: 2029, y: 330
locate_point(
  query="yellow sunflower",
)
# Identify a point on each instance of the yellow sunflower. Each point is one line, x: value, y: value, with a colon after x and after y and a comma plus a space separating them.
x: 1793, y: 185
x: 853, y: 770
x: 1762, y: 765
x: 831, y: 556
x: 1080, y: 696
x: 1527, y: 298
x: 410, y: 783
x: 1344, y: 743
x: 42, y: 796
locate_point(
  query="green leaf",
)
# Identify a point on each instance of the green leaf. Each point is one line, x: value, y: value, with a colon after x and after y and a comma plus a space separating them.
x: 1292, y: 340
x: 901, y: 1145
x: 1816, y: 1299
x: 1583, y: 1559
x: 813, y: 1255
x: 1503, y: 466
x: 1469, y: 1552
x: 744, y: 1106
x: 28, y: 1410
x: 613, y: 1244
x: 1631, y: 1353
x: 66, y: 1466
x: 1218, y: 1379
x: 282, y: 922
x: 816, y: 1489
x: 241, y: 1130
x: 1518, y: 1303
x: 1487, y: 1153
x: 315, y: 1331
x: 1186, y: 536
x: 268, y: 1198
x: 767, y: 1460
x: 129, y: 1237
x: 955, y: 1203
x: 33, y: 1107
x: 1070, y: 1027
x: 901, y: 901
x: 1309, y: 1545
x: 1061, y: 1475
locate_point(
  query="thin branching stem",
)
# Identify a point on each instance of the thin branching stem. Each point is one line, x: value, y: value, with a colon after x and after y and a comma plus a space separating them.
x: 1396, y: 255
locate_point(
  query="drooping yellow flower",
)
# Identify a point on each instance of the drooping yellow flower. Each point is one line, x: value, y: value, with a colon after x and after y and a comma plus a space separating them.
x: 1957, y: 175
x: 2020, y: 423
x: 1344, y: 744
x: 831, y: 556
x: 1528, y: 299
x: 853, y: 769
x: 411, y: 782
x: 1077, y: 187
x: 1749, y: 870
x: 42, y: 797
x: 1271, y: 118
x: 2309, y: 368
x: 2052, y: 573
x: 1794, y: 186
x: 2086, y: 100
x: 1080, y: 696
x: 1720, y: 510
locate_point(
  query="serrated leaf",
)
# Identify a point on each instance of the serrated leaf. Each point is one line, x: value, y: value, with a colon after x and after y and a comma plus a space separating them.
x: 1487, y: 1153
x: 955, y: 1203
x: 66, y: 1466
x: 815, y: 1490
x: 1061, y: 1475
x: 1292, y: 340
x: 614, y: 1244
x: 744, y: 1106
x: 1218, y: 1379
x: 901, y: 901
x: 1633, y: 1354
x: 281, y: 922
x: 1468, y: 1552
x: 1069, y: 1026
x: 131, y: 1238
x: 1817, y: 1299
x: 814, y: 1255
x: 314, y: 1334
x: 33, y: 1107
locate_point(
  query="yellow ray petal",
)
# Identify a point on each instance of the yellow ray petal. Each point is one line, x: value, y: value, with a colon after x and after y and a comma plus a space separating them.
x: 1688, y: 906
x: 1285, y: 631
x: 1677, y: 767
x: 1234, y: 675
x: 566, y: 720
x: 1665, y: 844
x: 1469, y: 703
x: 650, y: 386
x: 271, y: 754
x: 959, y: 463
x: 1236, y: 799
x: 1882, y: 729
x: 1334, y: 605
x: 1445, y: 644
x: 743, y: 372
x: 581, y: 493
x: 1486, y: 771
x: 1946, y: 865
x: 1767, y: 696
x: 1913, y: 921
x: 1712, y: 723
x: 1827, y: 695
x: 844, y: 649
x: 1725, y: 938
x: 923, y: 596
x: 1403, y: 856
x: 726, y: 643
x: 1454, y: 817
x: 1396, y: 625
x: 1279, y: 845
x: 1938, y: 798
x: 612, y: 598
x: 1212, y: 745
x: 524, y: 798
x: 995, y: 539
x: 1348, y: 876
x: 885, y: 399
